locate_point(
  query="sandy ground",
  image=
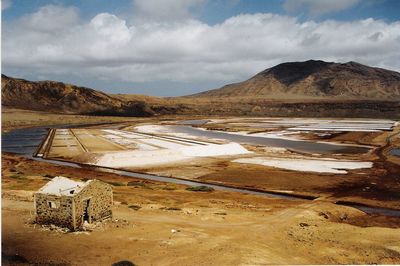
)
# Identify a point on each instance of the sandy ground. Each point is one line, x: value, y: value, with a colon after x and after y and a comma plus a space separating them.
x: 174, y: 226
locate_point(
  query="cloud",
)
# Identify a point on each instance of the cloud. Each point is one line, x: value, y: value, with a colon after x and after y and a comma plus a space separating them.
x: 318, y: 7
x: 5, y: 4
x: 186, y: 51
x: 165, y: 10
x: 51, y: 18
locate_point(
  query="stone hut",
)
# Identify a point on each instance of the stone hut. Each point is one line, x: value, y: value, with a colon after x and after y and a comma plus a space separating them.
x: 68, y: 203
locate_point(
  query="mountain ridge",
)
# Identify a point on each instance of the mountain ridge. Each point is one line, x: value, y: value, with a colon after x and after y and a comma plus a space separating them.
x: 315, y: 79
x: 60, y: 97
x: 310, y: 88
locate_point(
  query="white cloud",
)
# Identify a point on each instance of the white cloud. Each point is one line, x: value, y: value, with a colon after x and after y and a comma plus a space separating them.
x: 165, y: 10
x: 319, y: 7
x: 188, y: 51
x: 51, y: 18
x: 5, y: 4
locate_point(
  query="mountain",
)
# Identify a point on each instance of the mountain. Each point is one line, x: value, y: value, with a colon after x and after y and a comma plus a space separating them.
x: 59, y: 97
x: 298, y: 89
x: 315, y: 79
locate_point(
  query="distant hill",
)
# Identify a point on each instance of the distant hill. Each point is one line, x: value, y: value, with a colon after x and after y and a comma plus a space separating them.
x: 60, y: 97
x: 311, y: 88
x: 315, y: 80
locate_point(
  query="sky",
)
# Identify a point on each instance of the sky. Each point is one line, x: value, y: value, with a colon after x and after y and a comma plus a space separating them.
x: 180, y: 47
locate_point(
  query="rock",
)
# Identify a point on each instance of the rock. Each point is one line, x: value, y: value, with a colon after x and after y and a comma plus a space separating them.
x: 323, y: 215
x: 304, y: 224
x: 343, y: 217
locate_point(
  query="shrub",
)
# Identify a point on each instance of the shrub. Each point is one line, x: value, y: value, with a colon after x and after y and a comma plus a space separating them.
x: 138, y: 184
x: 169, y: 188
x: 123, y: 263
x: 135, y: 183
x: 200, y: 189
x: 134, y: 207
x: 16, y: 176
x: 171, y: 208
x: 117, y: 184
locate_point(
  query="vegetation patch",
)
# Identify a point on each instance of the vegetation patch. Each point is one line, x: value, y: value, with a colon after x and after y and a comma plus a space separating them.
x: 123, y: 263
x: 138, y: 184
x: 135, y: 183
x: 171, y: 208
x: 17, y: 176
x: 117, y: 184
x: 200, y: 189
x: 135, y: 207
x: 169, y: 188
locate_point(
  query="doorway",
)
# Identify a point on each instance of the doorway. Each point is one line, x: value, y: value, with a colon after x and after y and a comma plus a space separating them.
x: 86, y: 214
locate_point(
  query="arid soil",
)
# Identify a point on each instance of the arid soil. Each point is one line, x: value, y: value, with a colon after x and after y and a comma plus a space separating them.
x: 16, y: 118
x: 158, y: 223
x: 164, y: 224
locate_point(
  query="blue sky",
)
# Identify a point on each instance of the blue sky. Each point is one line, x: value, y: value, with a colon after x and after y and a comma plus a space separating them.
x: 178, y: 47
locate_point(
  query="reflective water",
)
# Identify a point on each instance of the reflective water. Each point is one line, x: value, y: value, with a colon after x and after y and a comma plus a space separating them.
x: 23, y: 141
x: 301, y: 146
x: 395, y: 152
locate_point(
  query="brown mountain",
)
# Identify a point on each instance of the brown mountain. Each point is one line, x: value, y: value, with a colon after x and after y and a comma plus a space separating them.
x: 311, y: 88
x: 59, y: 97
x: 316, y: 80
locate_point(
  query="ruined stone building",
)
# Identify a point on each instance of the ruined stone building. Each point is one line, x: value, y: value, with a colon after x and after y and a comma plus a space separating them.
x: 68, y: 203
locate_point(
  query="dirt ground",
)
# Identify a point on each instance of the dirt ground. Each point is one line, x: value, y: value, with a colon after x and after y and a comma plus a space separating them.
x: 157, y: 223
x: 163, y: 224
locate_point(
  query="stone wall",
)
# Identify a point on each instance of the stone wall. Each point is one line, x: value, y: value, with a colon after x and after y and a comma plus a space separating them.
x: 101, y: 200
x: 62, y: 215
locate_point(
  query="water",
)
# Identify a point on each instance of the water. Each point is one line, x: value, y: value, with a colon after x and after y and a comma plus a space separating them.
x: 26, y: 140
x: 300, y: 146
x: 371, y: 210
x: 395, y: 152
x: 193, y: 122
x: 23, y: 141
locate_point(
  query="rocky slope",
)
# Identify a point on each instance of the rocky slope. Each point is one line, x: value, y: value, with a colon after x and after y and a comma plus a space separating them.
x: 316, y: 79
x: 59, y: 97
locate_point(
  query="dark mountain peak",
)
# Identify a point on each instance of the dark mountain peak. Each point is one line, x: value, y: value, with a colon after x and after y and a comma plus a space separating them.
x: 288, y: 73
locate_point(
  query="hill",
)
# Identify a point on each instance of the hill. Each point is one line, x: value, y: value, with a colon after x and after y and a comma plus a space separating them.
x: 311, y: 88
x: 59, y: 97
x: 315, y: 80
